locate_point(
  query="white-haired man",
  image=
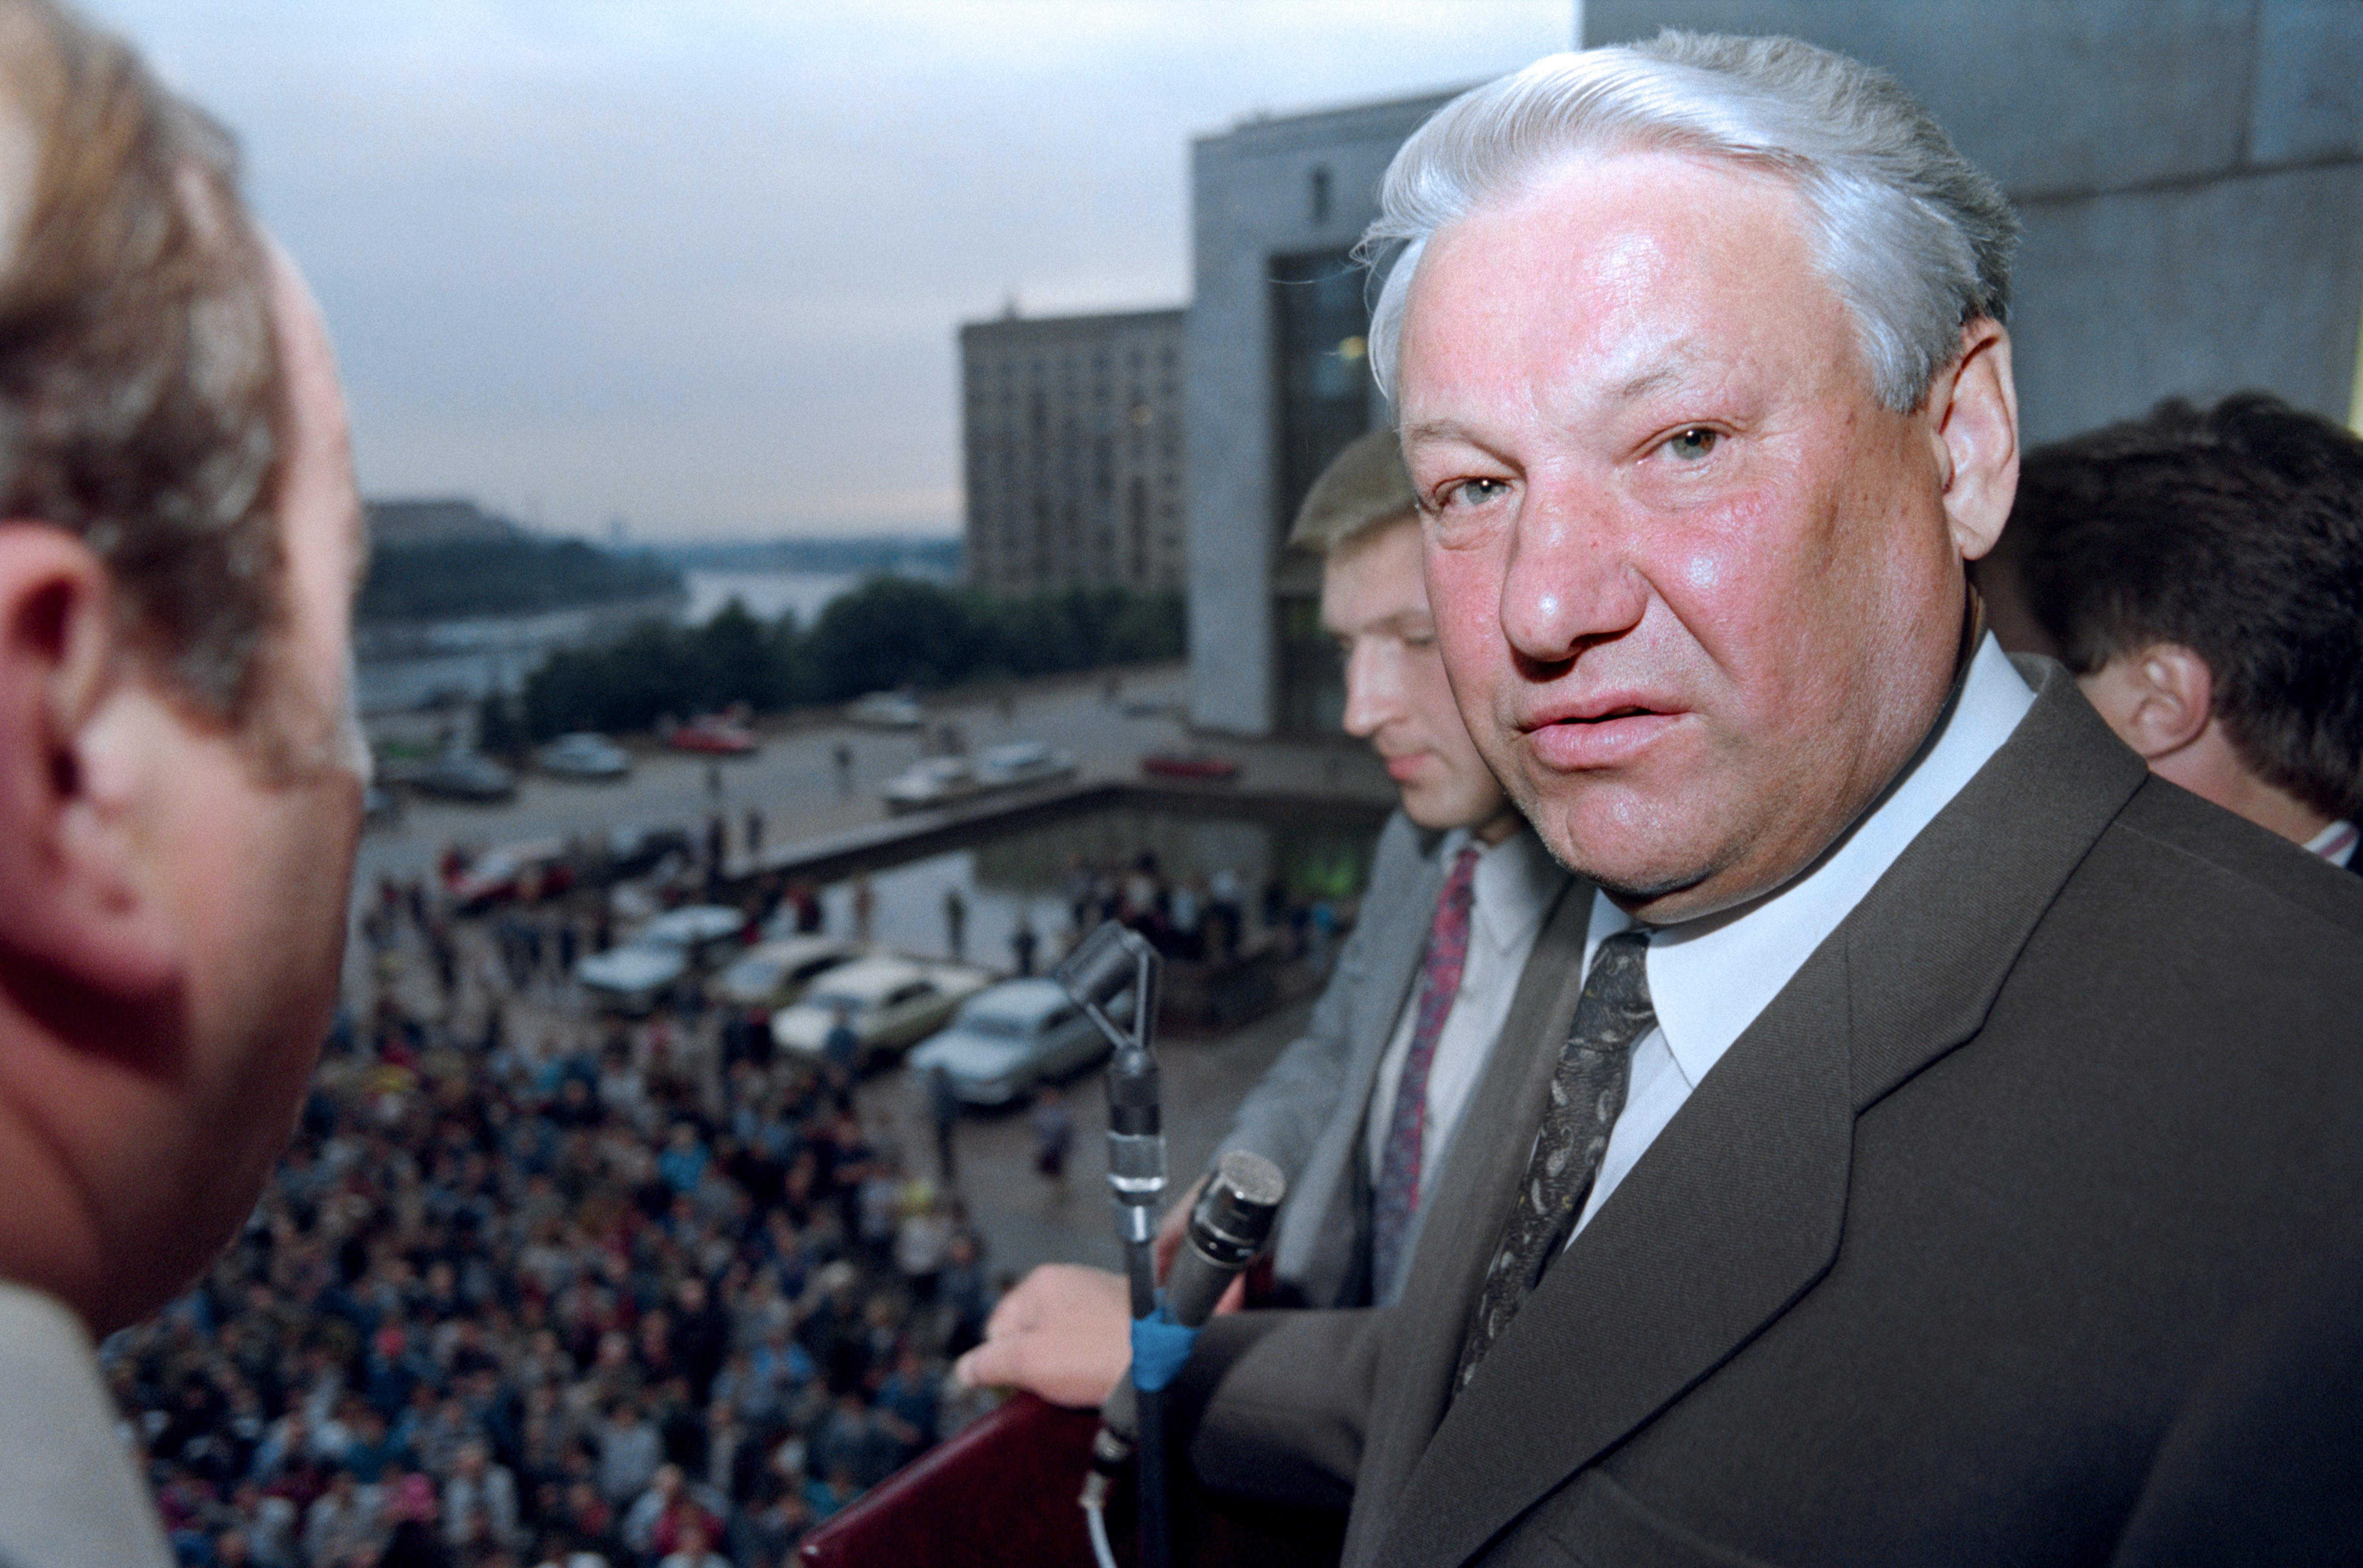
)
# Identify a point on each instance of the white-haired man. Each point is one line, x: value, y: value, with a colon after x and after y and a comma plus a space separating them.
x: 1932, y: 1091
x: 1360, y: 1111
x: 179, y: 779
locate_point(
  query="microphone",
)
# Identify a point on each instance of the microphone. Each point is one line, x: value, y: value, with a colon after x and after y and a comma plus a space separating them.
x: 1227, y: 1229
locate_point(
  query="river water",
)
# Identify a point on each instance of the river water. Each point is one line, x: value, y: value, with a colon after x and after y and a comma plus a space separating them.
x: 467, y: 658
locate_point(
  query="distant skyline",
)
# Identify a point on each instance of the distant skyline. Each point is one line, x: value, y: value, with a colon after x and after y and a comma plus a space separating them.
x: 699, y: 264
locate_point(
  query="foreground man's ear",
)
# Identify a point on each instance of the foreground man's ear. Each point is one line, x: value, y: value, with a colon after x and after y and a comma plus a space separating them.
x: 1975, y: 405
x: 73, y: 720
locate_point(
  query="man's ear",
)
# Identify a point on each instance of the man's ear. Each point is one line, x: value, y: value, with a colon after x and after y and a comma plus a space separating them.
x: 1976, y: 429
x: 77, y: 904
x: 2158, y: 700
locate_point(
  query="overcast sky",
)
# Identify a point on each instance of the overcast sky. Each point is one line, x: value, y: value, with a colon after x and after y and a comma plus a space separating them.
x: 698, y: 263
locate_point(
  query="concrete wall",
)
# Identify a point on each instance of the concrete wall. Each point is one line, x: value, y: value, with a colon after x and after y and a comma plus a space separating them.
x: 1251, y: 200
x: 2190, y: 174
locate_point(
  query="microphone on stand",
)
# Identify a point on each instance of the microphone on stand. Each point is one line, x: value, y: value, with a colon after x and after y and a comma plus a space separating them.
x: 1227, y: 1229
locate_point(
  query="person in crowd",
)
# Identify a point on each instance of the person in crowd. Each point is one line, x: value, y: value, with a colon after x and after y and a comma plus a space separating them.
x: 2200, y: 572
x: 1024, y: 942
x: 180, y: 772
x: 955, y: 924
x: 1054, y: 1134
x: 943, y: 1121
x: 1883, y: 1181
x: 1368, y: 1100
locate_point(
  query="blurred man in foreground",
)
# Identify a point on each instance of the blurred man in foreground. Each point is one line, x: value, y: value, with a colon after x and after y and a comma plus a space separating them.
x: 179, y: 777
x: 2202, y: 575
x: 1361, y: 1112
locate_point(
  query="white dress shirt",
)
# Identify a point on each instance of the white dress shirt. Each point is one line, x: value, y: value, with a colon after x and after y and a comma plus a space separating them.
x: 1515, y: 883
x: 1710, y: 977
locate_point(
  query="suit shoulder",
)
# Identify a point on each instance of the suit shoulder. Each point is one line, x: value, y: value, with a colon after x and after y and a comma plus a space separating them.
x: 1404, y: 848
x: 2205, y: 851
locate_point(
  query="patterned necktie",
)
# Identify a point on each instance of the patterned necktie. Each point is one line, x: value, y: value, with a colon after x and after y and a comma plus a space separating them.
x: 1587, y: 1094
x: 1397, y: 1198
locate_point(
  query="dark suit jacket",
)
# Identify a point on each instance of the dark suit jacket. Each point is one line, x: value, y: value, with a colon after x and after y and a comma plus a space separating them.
x: 1930, y: 1264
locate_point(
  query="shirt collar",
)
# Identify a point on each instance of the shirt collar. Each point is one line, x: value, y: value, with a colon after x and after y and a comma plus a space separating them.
x: 1709, y: 979
x: 1515, y: 882
x: 2334, y: 843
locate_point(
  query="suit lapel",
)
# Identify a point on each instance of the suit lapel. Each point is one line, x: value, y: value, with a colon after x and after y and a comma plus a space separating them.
x: 1398, y: 947
x: 1738, y: 1209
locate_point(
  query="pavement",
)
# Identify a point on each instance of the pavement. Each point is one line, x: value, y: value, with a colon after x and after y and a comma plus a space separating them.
x: 793, y: 780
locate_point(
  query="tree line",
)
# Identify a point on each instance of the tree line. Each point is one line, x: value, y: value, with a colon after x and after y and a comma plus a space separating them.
x: 890, y: 632
x: 504, y: 576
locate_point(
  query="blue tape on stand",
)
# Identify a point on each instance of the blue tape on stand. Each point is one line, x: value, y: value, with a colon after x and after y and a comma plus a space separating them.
x: 1160, y: 1346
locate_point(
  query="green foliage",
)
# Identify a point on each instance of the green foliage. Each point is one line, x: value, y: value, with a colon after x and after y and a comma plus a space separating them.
x: 890, y: 632
x: 505, y: 576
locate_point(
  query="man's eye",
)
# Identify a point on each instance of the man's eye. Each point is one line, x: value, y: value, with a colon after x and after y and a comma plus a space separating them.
x: 1474, y: 492
x: 1691, y: 445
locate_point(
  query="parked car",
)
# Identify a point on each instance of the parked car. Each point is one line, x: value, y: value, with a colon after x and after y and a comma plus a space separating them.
x: 712, y: 734
x: 584, y: 755
x: 632, y: 849
x: 1022, y: 763
x: 671, y: 949
x: 929, y: 783
x: 892, y: 1003
x: 1194, y: 763
x: 465, y: 775
x: 946, y: 781
x: 1006, y: 1039
x: 773, y: 975
x: 528, y: 870
x: 886, y: 710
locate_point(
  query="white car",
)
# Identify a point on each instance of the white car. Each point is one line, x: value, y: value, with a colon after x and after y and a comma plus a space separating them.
x: 1022, y: 763
x: 946, y: 781
x: 670, y: 949
x: 775, y: 973
x: 1006, y: 1039
x: 892, y: 1003
x: 930, y: 782
x: 584, y: 755
x: 886, y: 710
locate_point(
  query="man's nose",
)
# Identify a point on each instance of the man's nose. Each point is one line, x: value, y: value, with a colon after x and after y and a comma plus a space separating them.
x: 1373, y: 686
x: 1568, y: 580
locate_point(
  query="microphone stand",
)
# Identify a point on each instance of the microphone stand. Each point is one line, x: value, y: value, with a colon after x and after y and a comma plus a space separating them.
x: 1112, y: 963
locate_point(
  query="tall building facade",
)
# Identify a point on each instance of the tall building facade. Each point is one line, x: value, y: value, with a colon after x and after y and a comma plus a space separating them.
x: 1279, y: 381
x: 1072, y: 428
x: 2190, y: 174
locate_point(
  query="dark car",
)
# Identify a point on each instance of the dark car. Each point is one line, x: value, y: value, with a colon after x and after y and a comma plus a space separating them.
x: 465, y: 775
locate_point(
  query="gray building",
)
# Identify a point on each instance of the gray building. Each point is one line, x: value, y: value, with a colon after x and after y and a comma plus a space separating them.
x: 2190, y: 174
x: 1279, y: 382
x: 1071, y: 429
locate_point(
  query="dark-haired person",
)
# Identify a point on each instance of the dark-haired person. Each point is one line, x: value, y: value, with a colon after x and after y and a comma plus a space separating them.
x: 2200, y: 571
x: 180, y: 775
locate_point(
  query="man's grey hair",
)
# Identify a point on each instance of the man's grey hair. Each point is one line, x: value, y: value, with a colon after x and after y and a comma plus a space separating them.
x: 1914, y: 239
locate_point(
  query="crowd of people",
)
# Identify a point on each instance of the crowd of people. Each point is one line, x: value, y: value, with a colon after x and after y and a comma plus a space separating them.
x: 536, y: 1287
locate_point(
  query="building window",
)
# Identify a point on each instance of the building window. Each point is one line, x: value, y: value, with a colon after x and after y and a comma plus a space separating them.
x: 1321, y: 323
x: 1320, y: 196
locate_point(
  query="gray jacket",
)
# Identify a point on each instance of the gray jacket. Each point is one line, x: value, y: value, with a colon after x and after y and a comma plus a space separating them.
x: 1307, y: 1113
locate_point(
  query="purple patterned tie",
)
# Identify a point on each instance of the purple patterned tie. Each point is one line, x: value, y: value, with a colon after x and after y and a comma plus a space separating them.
x: 1398, y: 1196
